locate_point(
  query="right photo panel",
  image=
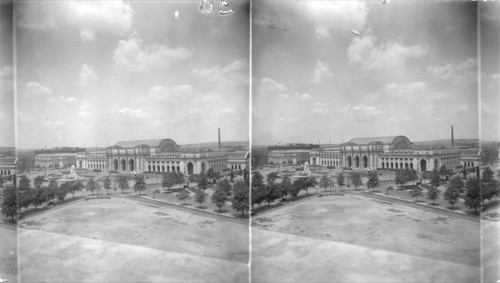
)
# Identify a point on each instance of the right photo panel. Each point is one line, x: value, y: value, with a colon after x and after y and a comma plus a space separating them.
x: 368, y: 160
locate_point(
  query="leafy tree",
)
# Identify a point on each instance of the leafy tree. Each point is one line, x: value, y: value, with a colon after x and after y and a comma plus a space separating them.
x: 107, y: 184
x: 245, y: 177
x: 211, y: 173
x: 225, y: 186
x: 192, y: 178
x: 169, y: 179
x: 24, y: 183
x: 202, y: 181
x: 271, y: 178
x: 412, y: 175
x: 52, y: 189
x: 62, y: 191
x: 257, y: 179
x: 490, y: 190
x: 435, y: 178
x: 296, y: 187
x: 472, y: 196
x: 9, y: 205
x: 355, y: 178
x: 183, y: 196
x: 140, y: 184
x: 25, y: 198
x: 241, y: 198
x: 258, y: 194
x: 180, y: 178
x: 273, y: 193
x: 416, y: 192
x: 200, y: 197
x: 457, y: 182
x: 38, y: 182
x: 92, y: 185
x: 426, y: 175
x: 340, y: 180
x: 310, y: 182
x: 39, y: 197
x: 373, y: 181
x: 401, y: 177
x: 451, y: 195
x: 231, y: 175
x: 76, y: 186
x: 1, y: 180
x: 286, y: 185
x: 443, y: 171
x: 122, y: 181
x: 219, y: 198
x: 432, y: 193
x: 487, y: 175
x: 324, y: 182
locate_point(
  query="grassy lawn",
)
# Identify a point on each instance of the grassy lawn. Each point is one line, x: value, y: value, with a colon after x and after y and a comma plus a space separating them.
x: 124, y: 240
x: 357, y: 238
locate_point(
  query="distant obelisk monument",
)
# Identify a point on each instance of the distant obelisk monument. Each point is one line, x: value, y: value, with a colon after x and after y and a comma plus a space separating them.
x: 452, y: 138
x: 220, y: 147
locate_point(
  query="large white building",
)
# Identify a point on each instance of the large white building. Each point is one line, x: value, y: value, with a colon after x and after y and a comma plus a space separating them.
x: 392, y: 152
x: 160, y: 155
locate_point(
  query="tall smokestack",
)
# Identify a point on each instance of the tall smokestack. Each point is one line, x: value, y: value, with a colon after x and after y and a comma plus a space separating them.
x: 220, y: 147
x: 452, y: 138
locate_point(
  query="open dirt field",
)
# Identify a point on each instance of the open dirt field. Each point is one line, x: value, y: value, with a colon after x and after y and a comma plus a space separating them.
x: 127, y: 240
x: 357, y: 238
x: 8, y: 253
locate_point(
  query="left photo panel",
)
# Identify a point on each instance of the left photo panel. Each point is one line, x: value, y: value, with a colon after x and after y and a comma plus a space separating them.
x: 8, y: 160
x: 133, y: 140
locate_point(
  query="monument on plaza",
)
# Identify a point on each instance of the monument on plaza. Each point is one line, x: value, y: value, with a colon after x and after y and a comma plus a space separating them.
x: 307, y: 170
x: 72, y: 174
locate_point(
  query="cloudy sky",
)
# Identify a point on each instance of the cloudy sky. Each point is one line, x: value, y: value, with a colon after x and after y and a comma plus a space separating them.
x: 412, y: 70
x: 97, y: 72
x: 6, y: 76
x: 103, y: 71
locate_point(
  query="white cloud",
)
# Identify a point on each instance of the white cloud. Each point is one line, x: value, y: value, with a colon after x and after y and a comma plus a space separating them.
x: 361, y: 113
x: 321, y: 71
x: 365, y: 51
x: 160, y: 92
x: 306, y: 96
x: 23, y: 118
x: 87, y: 75
x: 128, y: 113
x: 218, y: 74
x: 288, y: 120
x: 406, y: 90
x: 495, y: 76
x: 367, y: 110
x: 88, y: 17
x: 270, y: 86
x: 34, y: 89
x: 336, y: 14
x: 454, y: 71
x: 321, y: 32
x: 133, y: 57
x: 63, y: 100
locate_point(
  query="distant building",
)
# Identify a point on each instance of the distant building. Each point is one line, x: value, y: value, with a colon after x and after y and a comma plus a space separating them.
x: 55, y: 160
x: 160, y: 155
x: 238, y: 160
x: 470, y: 157
x: 8, y: 165
x: 292, y: 156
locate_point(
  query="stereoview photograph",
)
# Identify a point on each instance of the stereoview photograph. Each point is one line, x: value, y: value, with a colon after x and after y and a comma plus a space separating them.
x: 249, y: 141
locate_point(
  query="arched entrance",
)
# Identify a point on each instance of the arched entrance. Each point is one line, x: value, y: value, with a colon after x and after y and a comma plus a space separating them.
x: 356, y: 161
x: 124, y: 165
x: 81, y: 164
x: 349, y: 161
x: 115, y: 165
x: 131, y: 165
x: 365, y: 161
x: 190, y: 167
x: 436, y: 166
x: 314, y: 161
x: 423, y: 165
x: 203, y: 167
